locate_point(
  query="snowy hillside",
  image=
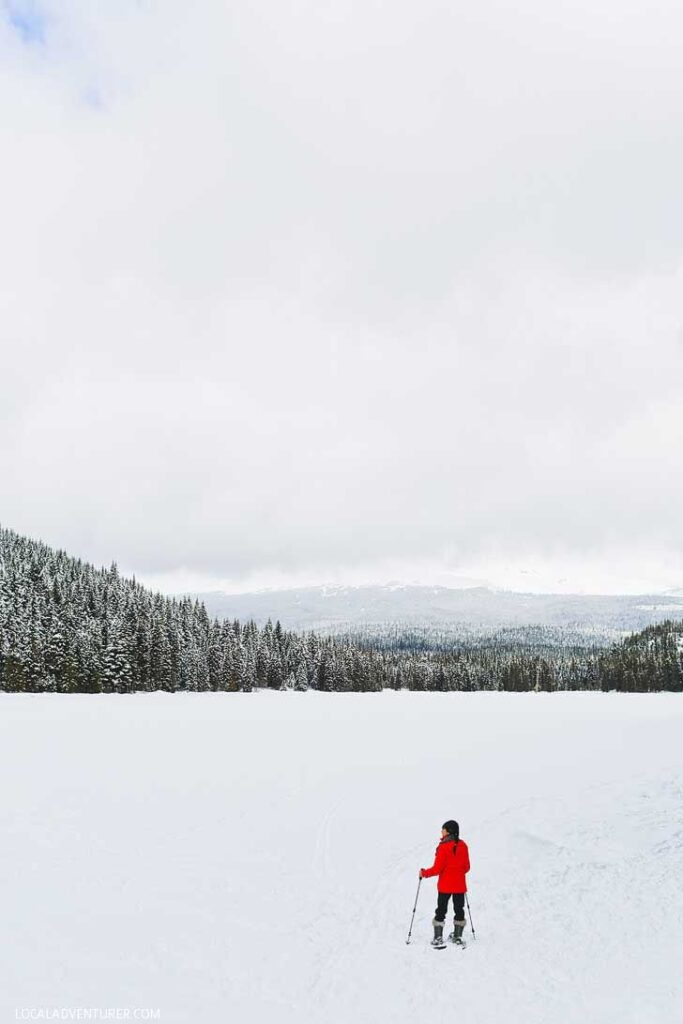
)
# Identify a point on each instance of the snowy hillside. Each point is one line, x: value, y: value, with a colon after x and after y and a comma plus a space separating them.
x: 255, y: 856
x: 341, y: 608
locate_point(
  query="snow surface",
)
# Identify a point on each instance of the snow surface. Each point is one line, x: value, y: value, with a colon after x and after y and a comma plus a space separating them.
x: 255, y: 856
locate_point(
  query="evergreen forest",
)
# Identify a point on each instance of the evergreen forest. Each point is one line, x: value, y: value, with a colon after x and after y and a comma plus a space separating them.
x: 68, y: 627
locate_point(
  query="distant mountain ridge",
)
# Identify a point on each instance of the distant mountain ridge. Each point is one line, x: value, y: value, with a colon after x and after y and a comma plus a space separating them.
x: 339, y: 609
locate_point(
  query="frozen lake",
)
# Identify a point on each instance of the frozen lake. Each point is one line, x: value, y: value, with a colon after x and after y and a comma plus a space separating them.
x: 220, y: 857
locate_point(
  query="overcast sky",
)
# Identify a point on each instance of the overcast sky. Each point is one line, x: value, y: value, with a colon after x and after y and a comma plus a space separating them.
x: 345, y: 290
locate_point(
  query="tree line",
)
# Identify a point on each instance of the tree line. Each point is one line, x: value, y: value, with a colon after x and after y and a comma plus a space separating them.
x: 68, y: 627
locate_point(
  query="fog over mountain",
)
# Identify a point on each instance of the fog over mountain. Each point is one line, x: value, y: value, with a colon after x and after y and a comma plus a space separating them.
x: 456, y: 610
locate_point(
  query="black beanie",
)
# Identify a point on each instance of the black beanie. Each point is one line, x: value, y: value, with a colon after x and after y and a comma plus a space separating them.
x: 452, y: 828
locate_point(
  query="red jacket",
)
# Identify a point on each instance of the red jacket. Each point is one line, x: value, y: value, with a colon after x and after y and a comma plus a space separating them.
x: 451, y: 864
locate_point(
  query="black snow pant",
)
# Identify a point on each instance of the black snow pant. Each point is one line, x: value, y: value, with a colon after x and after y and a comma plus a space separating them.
x: 458, y: 905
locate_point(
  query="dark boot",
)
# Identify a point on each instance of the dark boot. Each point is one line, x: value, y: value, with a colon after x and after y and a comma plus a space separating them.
x: 458, y: 928
x: 438, y: 933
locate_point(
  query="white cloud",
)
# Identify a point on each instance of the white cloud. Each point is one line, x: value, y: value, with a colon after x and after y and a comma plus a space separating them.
x: 325, y: 290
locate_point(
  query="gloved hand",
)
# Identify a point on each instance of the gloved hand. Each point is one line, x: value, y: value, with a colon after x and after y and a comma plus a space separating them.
x: 423, y: 873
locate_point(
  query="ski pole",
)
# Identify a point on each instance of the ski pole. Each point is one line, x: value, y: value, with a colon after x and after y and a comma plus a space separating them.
x: 474, y: 934
x: 410, y: 930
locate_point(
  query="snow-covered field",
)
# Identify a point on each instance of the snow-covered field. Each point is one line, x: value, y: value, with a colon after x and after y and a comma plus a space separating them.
x: 254, y: 857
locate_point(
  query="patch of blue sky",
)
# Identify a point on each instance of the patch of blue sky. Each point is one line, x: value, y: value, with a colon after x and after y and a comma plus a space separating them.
x: 93, y: 98
x: 27, y: 20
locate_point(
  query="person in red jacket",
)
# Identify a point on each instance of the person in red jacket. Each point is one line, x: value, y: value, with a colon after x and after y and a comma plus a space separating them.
x: 451, y: 864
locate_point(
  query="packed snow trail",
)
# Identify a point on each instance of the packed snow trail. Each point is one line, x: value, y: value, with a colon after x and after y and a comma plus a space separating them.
x: 212, y: 855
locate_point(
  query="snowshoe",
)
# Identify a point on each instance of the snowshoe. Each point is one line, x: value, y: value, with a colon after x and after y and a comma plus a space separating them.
x: 437, y: 941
